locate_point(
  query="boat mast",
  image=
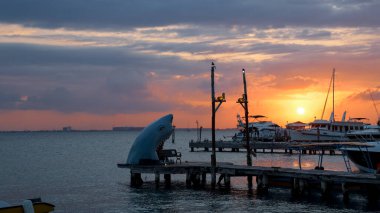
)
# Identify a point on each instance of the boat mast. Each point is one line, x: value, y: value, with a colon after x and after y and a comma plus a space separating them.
x: 333, y: 119
x: 327, y: 97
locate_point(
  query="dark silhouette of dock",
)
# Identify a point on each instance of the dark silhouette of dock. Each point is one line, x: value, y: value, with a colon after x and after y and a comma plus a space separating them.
x: 297, y: 180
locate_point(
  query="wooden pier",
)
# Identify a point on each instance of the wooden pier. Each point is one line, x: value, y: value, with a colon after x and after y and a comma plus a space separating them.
x: 263, y: 147
x: 299, y: 181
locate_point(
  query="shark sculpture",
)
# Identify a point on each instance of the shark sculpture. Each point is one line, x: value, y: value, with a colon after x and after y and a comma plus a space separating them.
x: 144, y: 149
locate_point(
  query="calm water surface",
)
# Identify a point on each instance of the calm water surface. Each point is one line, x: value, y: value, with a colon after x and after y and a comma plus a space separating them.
x: 77, y: 172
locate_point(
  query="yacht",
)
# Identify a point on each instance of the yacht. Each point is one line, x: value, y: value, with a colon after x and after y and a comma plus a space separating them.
x: 260, y: 129
x: 327, y: 130
x: 368, y: 133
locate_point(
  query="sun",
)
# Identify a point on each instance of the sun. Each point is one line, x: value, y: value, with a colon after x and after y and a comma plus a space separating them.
x: 300, y: 110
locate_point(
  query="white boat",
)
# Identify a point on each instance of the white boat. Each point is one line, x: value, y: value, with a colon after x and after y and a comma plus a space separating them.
x: 365, y: 159
x: 369, y: 133
x: 327, y: 130
x: 260, y: 130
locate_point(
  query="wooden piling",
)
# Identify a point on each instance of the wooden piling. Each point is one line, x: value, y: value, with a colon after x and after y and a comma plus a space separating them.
x: 345, y: 192
x: 157, y: 179
x: 262, y: 183
x: 204, y: 179
x: 295, y: 187
x: 167, y: 178
x: 188, y: 179
x: 227, y: 180
x: 325, y: 189
x: 136, y: 180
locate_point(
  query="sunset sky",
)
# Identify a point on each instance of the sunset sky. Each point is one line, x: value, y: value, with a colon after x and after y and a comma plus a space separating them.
x: 104, y: 63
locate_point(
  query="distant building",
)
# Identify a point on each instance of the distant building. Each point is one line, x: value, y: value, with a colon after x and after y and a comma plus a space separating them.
x: 67, y: 129
x: 298, y: 125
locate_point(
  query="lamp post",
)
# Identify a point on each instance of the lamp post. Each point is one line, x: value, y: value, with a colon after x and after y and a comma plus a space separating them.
x: 243, y: 101
x: 220, y: 100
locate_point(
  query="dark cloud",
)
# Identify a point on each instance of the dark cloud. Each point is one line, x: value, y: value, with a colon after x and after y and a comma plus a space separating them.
x: 319, y: 34
x: 81, y: 79
x: 125, y: 14
x: 270, y: 48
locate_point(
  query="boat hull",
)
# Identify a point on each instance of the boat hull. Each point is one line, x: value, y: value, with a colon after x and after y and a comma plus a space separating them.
x: 366, y: 159
x: 309, y: 135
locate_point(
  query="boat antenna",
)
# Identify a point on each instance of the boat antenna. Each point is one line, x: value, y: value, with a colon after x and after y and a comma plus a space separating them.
x: 327, y: 97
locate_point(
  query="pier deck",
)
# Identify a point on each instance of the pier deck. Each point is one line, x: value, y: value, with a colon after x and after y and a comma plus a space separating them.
x: 297, y: 180
x: 269, y: 147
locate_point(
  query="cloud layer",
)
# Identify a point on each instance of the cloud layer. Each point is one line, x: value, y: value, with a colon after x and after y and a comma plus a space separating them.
x: 148, y: 13
x: 105, y: 58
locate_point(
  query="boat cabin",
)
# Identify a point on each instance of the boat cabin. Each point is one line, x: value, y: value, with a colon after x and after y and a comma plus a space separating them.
x: 352, y: 124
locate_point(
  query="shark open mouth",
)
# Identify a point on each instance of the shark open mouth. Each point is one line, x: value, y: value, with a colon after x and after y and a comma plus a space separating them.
x: 151, y: 139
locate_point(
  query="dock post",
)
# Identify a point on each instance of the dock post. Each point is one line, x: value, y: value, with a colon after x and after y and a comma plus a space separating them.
x: 167, y: 179
x: 206, y: 149
x: 372, y: 193
x: 295, y: 187
x: 262, y: 183
x: 197, y: 179
x: 157, y: 179
x: 290, y: 151
x: 227, y: 180
x: 213, y: 157
x: 243, y: 101
x: 220, y: 100
x: 265, y: 182
x: 220, y: 149
x: 325, y: 188
x: 345, y: 192
x: 302, y: 185
x: 188, y: 179
x: 203, y: 179
x: 136, y: 180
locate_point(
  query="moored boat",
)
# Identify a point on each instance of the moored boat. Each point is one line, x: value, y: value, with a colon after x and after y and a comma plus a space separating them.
x: 260, y: 129
x: 366, y: 159
x: 368, y: 133
x: 28, y: 206
x: 327, y: 130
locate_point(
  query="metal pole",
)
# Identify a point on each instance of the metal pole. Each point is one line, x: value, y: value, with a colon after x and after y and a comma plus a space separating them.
x: 249, y: 159
x: 213, y: 157
x: 197, y: 131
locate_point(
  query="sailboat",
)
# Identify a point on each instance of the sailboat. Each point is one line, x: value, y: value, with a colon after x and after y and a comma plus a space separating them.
x: 327, y: 130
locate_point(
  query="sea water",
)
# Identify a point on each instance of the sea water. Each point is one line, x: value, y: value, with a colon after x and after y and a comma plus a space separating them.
x: 77, y: 172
